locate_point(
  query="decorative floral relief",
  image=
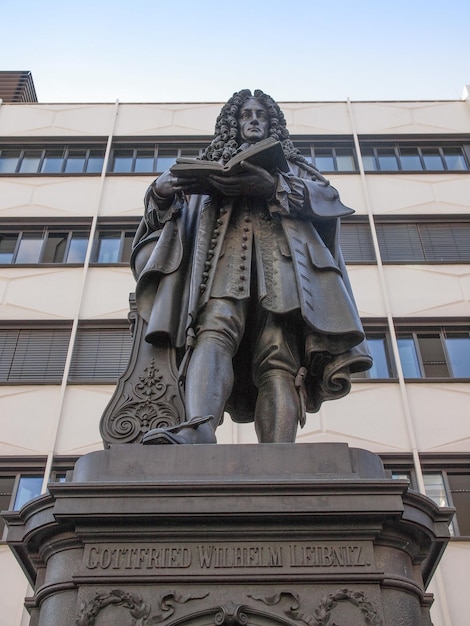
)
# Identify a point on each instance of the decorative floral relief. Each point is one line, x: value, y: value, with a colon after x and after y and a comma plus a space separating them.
x: 154, y: 403
x: 322, y: 614
x: 167, y: 605
x: 138, y: 609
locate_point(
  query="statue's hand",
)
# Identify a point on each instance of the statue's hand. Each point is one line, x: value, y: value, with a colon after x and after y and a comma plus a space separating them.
x: 167, y: 185
x: 253, y: 181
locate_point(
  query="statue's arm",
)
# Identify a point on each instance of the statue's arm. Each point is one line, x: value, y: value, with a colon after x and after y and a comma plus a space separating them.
x: 300, y: 195
x: 163, y: 201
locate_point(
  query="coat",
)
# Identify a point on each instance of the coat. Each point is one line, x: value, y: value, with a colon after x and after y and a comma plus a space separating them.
x: 170, y: 261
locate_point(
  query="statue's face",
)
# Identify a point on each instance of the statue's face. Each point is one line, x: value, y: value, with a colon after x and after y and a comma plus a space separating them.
x: 253, y: 121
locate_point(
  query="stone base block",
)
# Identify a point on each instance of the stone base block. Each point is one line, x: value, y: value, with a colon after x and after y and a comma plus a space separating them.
x: 294, y: 535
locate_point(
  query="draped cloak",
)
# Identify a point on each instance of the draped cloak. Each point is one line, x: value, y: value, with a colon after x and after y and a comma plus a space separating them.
x: 177, y: 249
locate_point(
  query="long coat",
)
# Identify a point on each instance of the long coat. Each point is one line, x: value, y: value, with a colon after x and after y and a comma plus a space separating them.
x: 177, y: 247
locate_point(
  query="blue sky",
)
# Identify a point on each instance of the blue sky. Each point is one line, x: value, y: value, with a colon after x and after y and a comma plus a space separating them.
x: 204, y: 50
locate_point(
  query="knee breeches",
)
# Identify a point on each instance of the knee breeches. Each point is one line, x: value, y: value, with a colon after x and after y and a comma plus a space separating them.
x: 277, y: 338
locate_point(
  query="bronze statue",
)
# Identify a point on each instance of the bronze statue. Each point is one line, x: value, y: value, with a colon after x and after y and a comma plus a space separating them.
x: 242, y: 274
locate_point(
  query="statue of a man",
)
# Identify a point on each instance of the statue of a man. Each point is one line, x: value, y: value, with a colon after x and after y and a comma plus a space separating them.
x: 246, y: 282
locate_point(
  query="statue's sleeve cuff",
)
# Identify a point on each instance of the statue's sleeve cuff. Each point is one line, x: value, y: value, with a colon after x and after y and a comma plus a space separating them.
x: 170, y: 207
x: 289, y: 196
x: 159, y: 209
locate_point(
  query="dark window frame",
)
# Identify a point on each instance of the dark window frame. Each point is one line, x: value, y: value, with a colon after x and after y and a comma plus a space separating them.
x: 440, y: 332
x: 14, y: 468
x: 435, y: 240
x: 46, y: 150
x: 28, y: 342
x: 377, y: 328
x: 178, y: 148
x: 126, y: 229
x: 34, y: 353
x: 74, y: 229
x: 438, y: 240
x: 415, y: 329
x: 356, y: 241
x: 447, y: 466
x: 371, y: 148
x: 310, y: 146
x: 89, y: 366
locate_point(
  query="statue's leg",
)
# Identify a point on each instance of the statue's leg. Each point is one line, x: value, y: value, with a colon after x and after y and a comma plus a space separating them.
x: 276, y: 364
x: 209, y: 377
x: 209, y: 381
x: 209, y: 374
x: 278, y: 408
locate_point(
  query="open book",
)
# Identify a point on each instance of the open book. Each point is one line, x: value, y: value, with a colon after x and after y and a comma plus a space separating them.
x: 267, y: 154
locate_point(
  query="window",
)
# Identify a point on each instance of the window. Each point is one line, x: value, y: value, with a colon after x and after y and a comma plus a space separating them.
x: 6, y: 491
x: 387, y: 159
x: 47, y: 244
x: 114, y: 246
x: 17, y: 488
x: 356, y: 242
x: 339, y: 157
x: 333, y: 155
x: 29, y: 161
x: 457, y: 347
x: 52, y: 160
x: 334, y: 159
x: 166, y: 158
x: 63, y: 244
x: 122, y: 161
x: 29, y: 487
x: 148, y: 159
x: 446, y: 481
x: 400, y: 156
x: 450, y: 488
x: 33, y: 355
x: 410, y: 159
x: 407, y: 241
x: 439, y: 353
x: 80, y: 161
x: 9, y: 161
x: 159, y: 157
x: 419, y: 242
x: 381, y: 351
x: 401, y: 475
x: 109, y: 245
x: 100, y: 354
x: 37, y: 355
x: 457, y: 484
x: 433, y: 352
x: 408, y: 357
x: 21, y: 480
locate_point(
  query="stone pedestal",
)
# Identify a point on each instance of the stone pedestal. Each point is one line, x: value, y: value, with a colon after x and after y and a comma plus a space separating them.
x: 295, y: 535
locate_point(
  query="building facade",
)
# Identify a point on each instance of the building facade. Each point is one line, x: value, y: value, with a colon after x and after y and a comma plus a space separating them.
x: 72, y: 181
